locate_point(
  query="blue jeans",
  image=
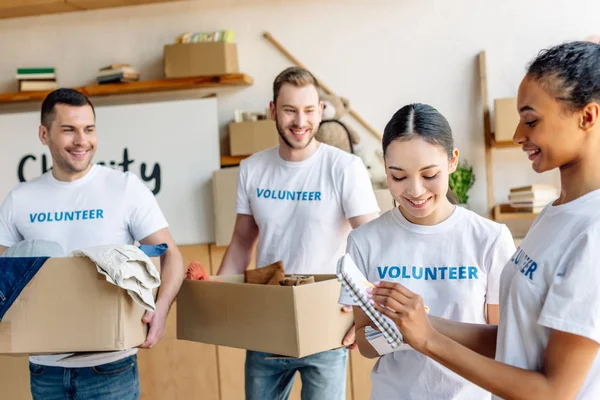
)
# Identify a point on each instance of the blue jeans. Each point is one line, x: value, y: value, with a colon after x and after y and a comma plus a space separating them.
x: 113, y: 381
x: 323, y: 376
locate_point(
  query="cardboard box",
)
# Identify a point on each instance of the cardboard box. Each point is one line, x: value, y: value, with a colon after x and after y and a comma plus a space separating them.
x: 225, y: 182
x: 69, y: 307
x: 249, y: 137
x: 200, y: 59
x: 292, y: 321
x: 506, y: 119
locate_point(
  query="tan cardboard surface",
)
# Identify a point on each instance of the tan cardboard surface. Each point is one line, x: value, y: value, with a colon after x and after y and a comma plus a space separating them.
x: 200, y: 59
x: 224, y: 195
x: 506, y: 119
x: 294, y: 321
x: 67, y: 308
x: 249, y: 137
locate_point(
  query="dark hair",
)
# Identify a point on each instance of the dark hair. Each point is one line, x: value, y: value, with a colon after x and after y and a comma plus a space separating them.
x: 69, y: 97
x: 569, y: 72
x: 424, y: 121
x: 296, y: 76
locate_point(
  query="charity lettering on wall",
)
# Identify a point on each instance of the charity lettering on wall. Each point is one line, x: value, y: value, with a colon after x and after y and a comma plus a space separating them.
x: 172, y: 146
x: 149, y: 172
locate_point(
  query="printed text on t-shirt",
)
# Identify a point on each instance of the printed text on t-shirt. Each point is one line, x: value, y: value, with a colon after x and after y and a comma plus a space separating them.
x: 526, y: 264
x: 428, y: 273
x: 58, y: 216
x: 288, y: 195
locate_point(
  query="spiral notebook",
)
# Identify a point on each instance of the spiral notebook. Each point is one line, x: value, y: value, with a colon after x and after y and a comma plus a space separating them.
x: 356, y: 284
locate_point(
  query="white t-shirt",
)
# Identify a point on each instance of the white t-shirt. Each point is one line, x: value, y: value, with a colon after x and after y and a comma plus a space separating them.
x: 104, y: 207
x: 553, y: 282
x: 302, y: 208
x: 454, y: 266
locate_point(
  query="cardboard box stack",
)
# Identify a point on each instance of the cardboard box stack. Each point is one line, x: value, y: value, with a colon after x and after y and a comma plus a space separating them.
x: 36, y: 79
x: 532, y: 198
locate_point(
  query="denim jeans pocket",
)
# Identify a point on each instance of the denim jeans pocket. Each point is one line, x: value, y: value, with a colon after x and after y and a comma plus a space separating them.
x: 36, y: 369
x: 116, y: 367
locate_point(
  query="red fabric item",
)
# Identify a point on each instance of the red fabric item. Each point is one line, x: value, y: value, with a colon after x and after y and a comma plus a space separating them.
x: 196, y: 271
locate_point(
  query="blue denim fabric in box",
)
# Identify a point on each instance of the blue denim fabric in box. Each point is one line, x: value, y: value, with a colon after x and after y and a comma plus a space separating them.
x: 154, y: 251
x: 20, y: 263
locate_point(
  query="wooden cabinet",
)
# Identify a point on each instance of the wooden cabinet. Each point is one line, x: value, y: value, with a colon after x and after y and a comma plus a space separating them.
x: 22, y: 8
x: 360, y: 369
x: 178, y: 369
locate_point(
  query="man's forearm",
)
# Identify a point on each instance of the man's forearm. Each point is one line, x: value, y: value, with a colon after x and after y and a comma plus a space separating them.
x: 172, y: 275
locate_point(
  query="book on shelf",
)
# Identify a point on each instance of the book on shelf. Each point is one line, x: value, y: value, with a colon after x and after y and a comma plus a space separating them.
x: 36, y: 79
x: 538, y: 187
x: 532, y: 198
x: 37, y: 85
x: 116, y: 73
x: 29, y: 74
x: 215, y: 36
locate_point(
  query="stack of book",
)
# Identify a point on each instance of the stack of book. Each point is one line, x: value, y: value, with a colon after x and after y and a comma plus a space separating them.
x: 532, y: 198
x: 36, y: 79
x: 116, y: 73
x: 195, y: 37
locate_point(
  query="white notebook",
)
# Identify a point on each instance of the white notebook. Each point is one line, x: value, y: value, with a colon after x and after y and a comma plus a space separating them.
x: 356, y: 284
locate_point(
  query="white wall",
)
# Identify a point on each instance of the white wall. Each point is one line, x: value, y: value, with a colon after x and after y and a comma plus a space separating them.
x: 380, y: 55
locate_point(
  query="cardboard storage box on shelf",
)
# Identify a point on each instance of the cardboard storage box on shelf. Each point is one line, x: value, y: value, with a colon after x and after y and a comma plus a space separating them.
x: 249, y: 137
x: 292, y: 321
x: 224, y: 195
x: 200, y: 59
x: 69, y: 307
x: 506, y: 119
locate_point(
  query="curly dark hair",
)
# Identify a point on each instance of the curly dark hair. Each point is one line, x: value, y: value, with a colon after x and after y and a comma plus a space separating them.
x: 570, y: 72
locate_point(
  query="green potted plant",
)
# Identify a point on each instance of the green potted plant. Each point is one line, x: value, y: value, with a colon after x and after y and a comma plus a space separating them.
x: 461, y: 181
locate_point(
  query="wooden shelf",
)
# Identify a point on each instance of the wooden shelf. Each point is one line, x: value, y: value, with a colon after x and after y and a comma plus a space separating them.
x: 160, y: 85
x: 26, y: 8
x: 504, y: 144
x: 231, y: 161
x: 504, y: 212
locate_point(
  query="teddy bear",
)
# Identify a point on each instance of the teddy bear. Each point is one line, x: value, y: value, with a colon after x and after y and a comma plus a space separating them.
x: 375, y: 164
x: 332, y: 131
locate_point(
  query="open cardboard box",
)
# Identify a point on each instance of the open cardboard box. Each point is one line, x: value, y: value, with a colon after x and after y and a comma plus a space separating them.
x: 69, y: 307
x: 292, y: 321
